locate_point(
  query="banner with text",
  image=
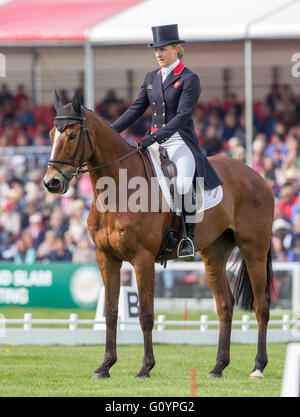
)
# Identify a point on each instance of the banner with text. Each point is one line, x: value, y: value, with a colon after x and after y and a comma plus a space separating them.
x: 59, y: 285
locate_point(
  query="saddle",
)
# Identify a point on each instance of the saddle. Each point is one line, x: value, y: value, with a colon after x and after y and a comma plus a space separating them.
x: 173, y: 234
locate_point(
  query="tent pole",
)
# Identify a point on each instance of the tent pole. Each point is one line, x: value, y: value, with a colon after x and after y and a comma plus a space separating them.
x: 89, y: 76
x: 248, y: 101
x: 36, y: 77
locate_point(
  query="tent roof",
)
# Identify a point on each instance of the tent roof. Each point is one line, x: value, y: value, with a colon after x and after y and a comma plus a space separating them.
x: 213, y: 20
x: 55, y: 20
x: 117, y: 22
x: 284, y: 24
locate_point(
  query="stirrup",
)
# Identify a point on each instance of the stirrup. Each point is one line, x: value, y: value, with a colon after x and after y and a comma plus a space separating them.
x: 178, y: 248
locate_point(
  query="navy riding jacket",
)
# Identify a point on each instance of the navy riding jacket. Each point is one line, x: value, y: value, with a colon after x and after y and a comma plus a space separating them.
x: 173, y: 104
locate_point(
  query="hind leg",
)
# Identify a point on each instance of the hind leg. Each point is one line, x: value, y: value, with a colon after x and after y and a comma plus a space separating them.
x: 215, y: 258
x: 256, y: 261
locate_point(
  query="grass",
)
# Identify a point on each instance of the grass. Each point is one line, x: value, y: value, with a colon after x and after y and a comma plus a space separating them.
x: 66, y: 371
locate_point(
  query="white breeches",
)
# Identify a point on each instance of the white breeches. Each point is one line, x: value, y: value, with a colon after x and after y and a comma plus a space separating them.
x: 181, y: 155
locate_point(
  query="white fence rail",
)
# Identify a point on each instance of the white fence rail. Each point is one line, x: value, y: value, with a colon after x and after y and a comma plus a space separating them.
x: 206, y: 332
x: 292, y: 267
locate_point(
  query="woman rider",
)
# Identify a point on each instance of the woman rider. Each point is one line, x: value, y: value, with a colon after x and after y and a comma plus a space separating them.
x: 173, y: 92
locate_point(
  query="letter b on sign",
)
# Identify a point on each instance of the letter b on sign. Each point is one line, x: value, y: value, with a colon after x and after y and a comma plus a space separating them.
x: 133, y: 304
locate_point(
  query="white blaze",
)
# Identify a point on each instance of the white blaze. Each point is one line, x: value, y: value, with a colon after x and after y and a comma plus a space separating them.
x: 56, y: 136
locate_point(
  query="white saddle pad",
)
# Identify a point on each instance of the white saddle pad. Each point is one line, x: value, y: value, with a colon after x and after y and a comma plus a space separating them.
x: 211, y: 197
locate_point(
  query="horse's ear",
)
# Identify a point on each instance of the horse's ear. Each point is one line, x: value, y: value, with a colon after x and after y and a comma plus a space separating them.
x: 76, y: 103
x: 57, y: 101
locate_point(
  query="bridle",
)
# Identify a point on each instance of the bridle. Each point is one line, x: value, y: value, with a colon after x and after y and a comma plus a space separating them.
x: 84, y: 135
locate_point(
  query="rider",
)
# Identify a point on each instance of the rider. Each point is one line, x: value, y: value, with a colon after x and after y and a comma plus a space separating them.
x: 173, y: 92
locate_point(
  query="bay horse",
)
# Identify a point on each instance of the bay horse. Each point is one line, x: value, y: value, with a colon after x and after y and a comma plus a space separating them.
x: 242, y: 219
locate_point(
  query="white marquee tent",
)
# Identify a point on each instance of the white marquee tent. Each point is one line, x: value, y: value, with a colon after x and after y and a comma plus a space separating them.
x: 201, y: 20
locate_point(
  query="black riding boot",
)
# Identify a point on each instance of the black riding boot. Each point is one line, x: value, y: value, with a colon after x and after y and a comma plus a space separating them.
x: 186, y: 246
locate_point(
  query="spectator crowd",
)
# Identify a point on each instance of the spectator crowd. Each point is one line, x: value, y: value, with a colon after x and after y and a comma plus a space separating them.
x: 37, y: 226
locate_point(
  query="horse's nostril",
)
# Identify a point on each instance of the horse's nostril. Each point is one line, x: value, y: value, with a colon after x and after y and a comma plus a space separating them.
x: 53, y: 185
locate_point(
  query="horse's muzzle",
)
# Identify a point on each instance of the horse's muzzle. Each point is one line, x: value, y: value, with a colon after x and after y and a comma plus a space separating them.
x: 56, y: 185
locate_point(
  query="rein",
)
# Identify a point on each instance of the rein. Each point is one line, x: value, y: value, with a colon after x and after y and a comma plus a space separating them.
x: 84, y: 133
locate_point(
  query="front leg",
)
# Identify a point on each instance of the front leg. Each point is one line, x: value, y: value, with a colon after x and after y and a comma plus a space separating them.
x: 110, y: 271
x: 145, y: 277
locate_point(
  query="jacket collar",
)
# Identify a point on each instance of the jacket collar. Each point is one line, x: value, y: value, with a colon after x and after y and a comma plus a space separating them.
x: 175, y: 75
x: 177, y: 70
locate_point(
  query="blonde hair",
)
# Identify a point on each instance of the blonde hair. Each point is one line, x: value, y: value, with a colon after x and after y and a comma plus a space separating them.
x: 180, y: 52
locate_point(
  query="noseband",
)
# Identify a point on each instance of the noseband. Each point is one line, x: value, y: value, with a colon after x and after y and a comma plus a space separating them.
x: 84, y: 133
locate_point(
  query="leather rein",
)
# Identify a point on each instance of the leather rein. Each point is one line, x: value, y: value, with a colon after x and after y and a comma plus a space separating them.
x: 84, y: 135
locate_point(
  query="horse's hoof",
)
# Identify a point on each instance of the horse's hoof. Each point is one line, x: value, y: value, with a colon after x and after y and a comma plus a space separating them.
x: 213, y: 375
x: 143, y: 374
x: 101, y: 374
x: 257, y: 374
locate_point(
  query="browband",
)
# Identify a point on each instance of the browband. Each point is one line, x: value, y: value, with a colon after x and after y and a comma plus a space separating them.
x: 69, y: 118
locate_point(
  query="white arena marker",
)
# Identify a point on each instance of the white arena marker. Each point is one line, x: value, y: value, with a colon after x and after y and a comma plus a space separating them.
x: 291, y: 374
x: 128, y: 309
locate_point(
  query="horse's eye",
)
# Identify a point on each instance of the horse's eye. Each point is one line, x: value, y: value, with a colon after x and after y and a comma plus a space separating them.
x: 72, y: 136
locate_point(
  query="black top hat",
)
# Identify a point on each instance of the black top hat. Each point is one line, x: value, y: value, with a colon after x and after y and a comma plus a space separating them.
x: 165, y: 35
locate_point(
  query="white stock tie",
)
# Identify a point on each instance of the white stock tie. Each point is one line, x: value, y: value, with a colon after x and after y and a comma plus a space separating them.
x: 165, y: 72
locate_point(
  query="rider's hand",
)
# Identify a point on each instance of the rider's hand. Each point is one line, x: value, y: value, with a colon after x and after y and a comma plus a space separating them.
x: 147, y: 141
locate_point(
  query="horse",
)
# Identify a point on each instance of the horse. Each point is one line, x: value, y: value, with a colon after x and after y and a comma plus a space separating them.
x: 242, y: 220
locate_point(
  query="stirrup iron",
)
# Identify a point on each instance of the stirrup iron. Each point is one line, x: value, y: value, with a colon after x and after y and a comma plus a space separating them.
x: 179, y: 246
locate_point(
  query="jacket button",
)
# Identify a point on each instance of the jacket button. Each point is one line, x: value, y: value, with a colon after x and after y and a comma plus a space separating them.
x: 153, y: 103
x: 155, y: 114
x: 163, y: 125
x: 163, y: 103
x: 164, y: 114
x: 155, y: 125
